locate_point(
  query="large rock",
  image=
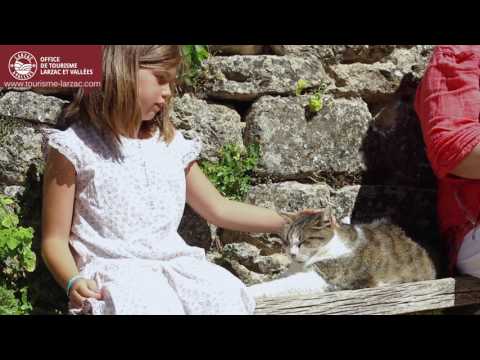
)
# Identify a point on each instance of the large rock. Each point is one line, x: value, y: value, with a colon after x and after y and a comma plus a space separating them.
x: 373, y: 82
x: 343, y: 54
x: 245, y: 78
x: 215, y: 125
x: 377, y: 82
x: 344, y: 200
x: 245, y: 262
x: 290, y: 196
x: 20, y: 151
x: 411, y: 60
x: 31, y: 106
x: 249, y: 256
x: 294, y: 147
x: 246, y: 275
x: 13, y: 191
x: 272, y: 264
x: 243, y: 252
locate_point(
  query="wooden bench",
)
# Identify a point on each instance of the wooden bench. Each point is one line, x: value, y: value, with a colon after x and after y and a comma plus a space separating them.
x: 387, y: 300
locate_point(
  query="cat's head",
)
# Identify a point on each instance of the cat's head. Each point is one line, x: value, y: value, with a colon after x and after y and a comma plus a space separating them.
x: 307, y: 237
x: 308, y: 234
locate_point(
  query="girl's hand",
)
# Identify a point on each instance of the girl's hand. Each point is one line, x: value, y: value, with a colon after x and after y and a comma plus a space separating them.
x: 83, y: 289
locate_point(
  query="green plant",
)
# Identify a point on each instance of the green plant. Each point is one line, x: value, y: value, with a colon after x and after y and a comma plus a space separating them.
x: 231, y: 175
x: 10, y: 305
x: 15, y: 243
x: 300, y: 87
x: 16, y: 255
x: 316, y: 100
x: 193, y: 56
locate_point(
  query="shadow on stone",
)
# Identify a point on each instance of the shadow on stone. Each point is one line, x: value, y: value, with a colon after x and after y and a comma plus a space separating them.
x: 398, y: 183
x: 194, y: 230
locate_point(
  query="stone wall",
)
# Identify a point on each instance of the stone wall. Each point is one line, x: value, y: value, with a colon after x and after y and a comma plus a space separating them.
x: 363, y: 154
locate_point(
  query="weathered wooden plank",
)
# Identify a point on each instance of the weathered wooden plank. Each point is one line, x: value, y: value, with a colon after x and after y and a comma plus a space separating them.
x: 386, y: 300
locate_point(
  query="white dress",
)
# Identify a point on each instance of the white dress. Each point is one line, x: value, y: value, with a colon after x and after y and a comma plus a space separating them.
x: 124, y: 229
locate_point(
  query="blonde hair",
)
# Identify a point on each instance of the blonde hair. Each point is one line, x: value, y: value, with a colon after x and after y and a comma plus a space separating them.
x: 114, y: 108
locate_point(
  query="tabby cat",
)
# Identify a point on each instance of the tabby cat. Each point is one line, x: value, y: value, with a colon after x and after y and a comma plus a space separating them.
x: 328, y: 256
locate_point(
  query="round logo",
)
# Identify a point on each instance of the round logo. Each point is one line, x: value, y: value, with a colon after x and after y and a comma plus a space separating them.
x: 22, y: 65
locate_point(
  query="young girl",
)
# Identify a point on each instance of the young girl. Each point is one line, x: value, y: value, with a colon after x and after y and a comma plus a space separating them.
x: 115, y: 187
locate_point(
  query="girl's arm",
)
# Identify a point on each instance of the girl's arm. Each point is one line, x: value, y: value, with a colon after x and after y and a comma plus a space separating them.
x: 205, y: 199
x: 57, y: 211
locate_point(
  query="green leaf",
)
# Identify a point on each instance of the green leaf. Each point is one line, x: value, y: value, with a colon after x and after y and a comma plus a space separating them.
x: 29, y: 260
x: 26, y: 306
x: 7, y: 222
x: 187, y: 51
x: 12, y: 243
x: 315, y: 103
x: 193, y: 55
x: 301, y: 85
x: 202, y: 52
x: 7, y: 201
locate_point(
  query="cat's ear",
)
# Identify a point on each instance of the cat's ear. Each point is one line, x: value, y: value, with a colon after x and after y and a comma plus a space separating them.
x: 290, y: 217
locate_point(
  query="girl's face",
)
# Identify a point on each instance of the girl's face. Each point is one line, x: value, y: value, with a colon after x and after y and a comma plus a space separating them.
x: 154, y: 91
